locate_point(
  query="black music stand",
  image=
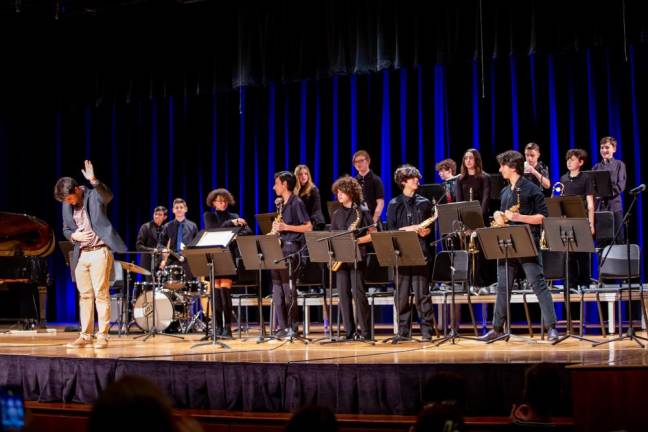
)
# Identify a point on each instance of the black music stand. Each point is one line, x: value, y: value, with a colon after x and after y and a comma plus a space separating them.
x: 514, y: 241
x: 259, y: 253
x: 601, y: 183
x: 497, y: 183
x: 398, y: 249
x: 448, y: 213
x: 568, y: 235
x: 209, y: 255
x: 320, y: 250
x: 566, y: 206
x: 432, y: 191
x: 264, y: 220
x: 331, y: 207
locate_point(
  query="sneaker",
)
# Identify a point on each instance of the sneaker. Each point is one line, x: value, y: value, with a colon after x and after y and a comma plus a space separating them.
x: 81, y: 342
x: 101, y: 343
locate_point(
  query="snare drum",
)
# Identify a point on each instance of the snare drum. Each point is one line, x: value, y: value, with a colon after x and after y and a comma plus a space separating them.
x: 173, y: 277
x: 165, y: 306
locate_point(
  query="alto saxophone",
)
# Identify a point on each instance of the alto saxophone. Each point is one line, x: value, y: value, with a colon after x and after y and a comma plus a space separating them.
x: 499, y: 218
x: 429, y: 221
x: 335, y: 265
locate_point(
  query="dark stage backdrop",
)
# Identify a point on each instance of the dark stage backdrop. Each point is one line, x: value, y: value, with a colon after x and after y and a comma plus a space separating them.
x: 248, y: 90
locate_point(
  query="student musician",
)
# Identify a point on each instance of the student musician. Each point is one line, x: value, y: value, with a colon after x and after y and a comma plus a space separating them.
x: 373, y: 190
x: 349, y: 281
x: 473, y: 183
x: 148, y: 237
x: 617, y: 169
x: 406, y: 212
x: 310, y: 195
x: 221, y: 200
x: 447, y: 169
x: 577, y: 183
x: 532, y: 210
x: 176, y: 235
x: 291, y: 223
x: 534, y: 170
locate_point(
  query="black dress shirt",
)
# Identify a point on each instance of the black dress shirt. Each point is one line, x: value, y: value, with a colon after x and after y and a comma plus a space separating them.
x: 404, y: 211
x: 532, y: 202
x: 372, y: 190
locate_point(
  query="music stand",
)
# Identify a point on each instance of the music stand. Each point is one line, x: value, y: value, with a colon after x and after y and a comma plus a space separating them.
x: 509, y: 242
x: 320, y: 251
x: 209, y: 255
x: 432, y: 191
x: 396, y: 249
x: 497, y: 183
x: 568, y: 235
x: 601, y: 183
x: 566, y: 206
x: 331, y: 207
x: 448, y: 213
x: 264, y: 220
x: 259, y: 253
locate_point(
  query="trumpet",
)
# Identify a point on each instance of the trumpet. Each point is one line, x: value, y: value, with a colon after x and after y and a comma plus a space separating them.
x: 499, y: 218
x: 335, y: 266
x: 557, y: 188
x: 279, y: 217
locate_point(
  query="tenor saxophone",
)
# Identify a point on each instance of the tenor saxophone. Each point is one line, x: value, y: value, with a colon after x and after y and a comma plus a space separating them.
x: 335, y: 265
x: 499, y: 218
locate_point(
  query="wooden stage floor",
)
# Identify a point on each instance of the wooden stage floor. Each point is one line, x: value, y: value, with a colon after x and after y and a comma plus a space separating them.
x: 163, y: 348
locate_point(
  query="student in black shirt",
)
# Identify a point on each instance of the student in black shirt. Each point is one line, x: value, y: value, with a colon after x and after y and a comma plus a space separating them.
x: 373, y: 191
x: 294, y: 223
x: 618, y: 177
x: 534, y: 170
x: 577, y: 183
x: 310, y: 195
x: 221, y: 200
x: 348, y: 280
x: 148, y: 237
x: 176, y: 235
x: 473, y: 182
x: 406, y: 212
x: 532, y: 211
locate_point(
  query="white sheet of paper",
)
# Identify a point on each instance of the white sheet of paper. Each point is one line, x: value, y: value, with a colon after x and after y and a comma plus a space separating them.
x: 218, y: 238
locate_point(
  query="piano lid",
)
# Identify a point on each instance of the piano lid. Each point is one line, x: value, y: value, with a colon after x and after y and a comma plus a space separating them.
x: 25, y: 235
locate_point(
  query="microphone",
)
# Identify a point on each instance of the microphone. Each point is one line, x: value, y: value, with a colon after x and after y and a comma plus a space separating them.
x: 638, y: 189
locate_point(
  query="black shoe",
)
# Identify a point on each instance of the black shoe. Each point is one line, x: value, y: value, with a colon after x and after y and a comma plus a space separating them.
x: 426, y: 338
x: 280, y: 334
x: 219, y: 331
x: 349, y: 336
x: 491, y: 335
x: 552, y: 335
x: 227, y: 332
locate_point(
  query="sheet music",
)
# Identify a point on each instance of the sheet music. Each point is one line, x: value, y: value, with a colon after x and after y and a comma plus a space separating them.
x: 216, y: 238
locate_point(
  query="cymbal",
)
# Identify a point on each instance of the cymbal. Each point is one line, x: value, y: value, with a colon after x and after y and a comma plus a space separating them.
x: 134, y: 268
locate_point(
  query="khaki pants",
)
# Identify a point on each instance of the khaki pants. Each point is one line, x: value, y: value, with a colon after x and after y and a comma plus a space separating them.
x: 92, y: 275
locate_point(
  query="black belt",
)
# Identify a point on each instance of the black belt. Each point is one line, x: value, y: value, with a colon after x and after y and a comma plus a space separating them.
x: 92, y: 248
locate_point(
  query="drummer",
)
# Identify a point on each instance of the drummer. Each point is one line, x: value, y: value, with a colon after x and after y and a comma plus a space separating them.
x: 176, y: 235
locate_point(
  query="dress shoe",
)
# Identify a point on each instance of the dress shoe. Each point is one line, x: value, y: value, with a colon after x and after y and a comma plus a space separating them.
x: 491, y: 335
x: 552, y: 335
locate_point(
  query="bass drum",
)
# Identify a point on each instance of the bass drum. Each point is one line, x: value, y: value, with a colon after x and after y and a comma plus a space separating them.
x: 164, y: 310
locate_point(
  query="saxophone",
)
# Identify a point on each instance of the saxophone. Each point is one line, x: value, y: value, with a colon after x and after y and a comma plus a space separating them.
x: 279, y: 217
x: 335, y: 265
x: 499, y: 218
x: 429, y: 221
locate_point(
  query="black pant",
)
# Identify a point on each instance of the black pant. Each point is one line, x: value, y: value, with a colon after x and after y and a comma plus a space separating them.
x: 350, y: 286
x: 286, y: 309
x: 416, y: 280
x: 223, y: 307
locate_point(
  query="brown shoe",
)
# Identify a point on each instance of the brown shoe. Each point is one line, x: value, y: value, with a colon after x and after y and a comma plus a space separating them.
x: 101, y: 343
x: 81, y: 342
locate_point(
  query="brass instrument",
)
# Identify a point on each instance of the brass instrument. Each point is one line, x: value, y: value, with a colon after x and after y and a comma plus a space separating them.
x: 470, y: 194
x: 429, y: 221
x: 472, y: 246
x: 335, y: 265
x: 559, y: 188
x: 543, y: 241
x: 499, y: 218
x: 279, y: 217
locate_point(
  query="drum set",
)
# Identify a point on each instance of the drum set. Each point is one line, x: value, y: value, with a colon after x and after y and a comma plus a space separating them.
x: 177, y: 302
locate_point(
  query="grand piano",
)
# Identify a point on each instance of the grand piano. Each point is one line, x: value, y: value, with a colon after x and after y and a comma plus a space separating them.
x: 25, y: 242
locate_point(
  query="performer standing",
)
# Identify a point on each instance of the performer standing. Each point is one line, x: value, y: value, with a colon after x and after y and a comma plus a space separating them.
x: 177, y: 234
x: 373, y: 191
x: 473, y: 182
x: 617, y: 169
x: 532, y: 211
x: 447, y: 169
x: 86, y: 224
x: 405, y: 213
x: 310, y: 195
x: 349, y: 280
x: 534, y: 170
x: 148, y: 237
x: 221, y: 200
x: 577, y: 183
x: 292, y: 224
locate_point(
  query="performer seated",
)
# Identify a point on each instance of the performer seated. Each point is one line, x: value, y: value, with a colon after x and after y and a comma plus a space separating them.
x: 292, y: 223
x: 446, y: 170
x: 221, y: 200
x: 577, y: 183
x: 532, y: 211
x: 405, y: 213
x: 176, y: 234
x: 534, y: 170
x: 310, y: 195
x: 617, y: 169
x: 349, y: 282
x: 148, y: 238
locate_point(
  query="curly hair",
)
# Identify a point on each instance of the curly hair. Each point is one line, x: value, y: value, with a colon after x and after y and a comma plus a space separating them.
x: 220, y: 192
x: 404, y: 173
x: 512, y: 159
x: 447, y: 164
x: 349, y: 186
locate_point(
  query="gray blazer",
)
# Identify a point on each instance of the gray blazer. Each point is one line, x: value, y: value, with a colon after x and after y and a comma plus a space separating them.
x: 96, y: 203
